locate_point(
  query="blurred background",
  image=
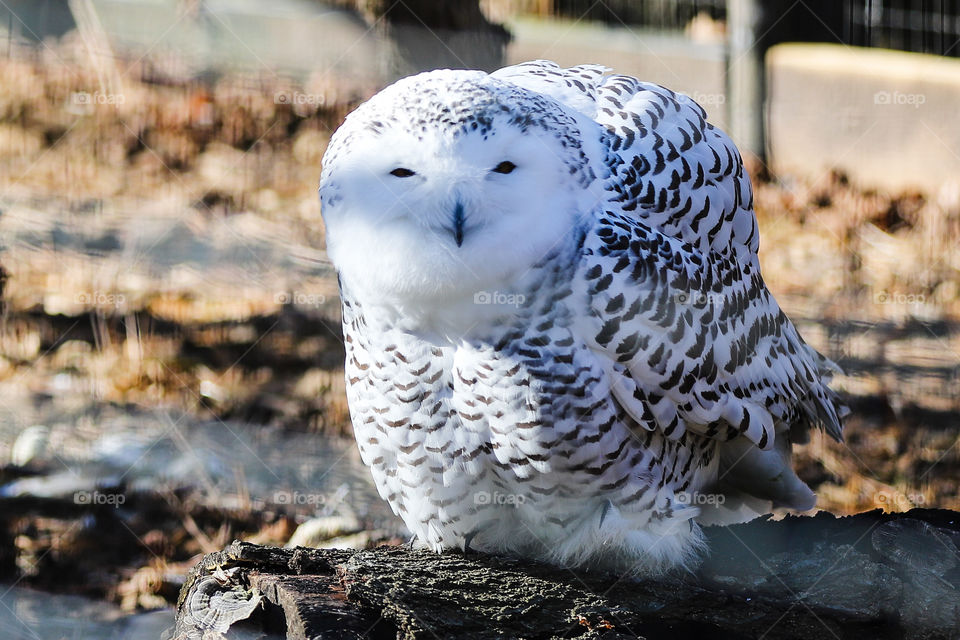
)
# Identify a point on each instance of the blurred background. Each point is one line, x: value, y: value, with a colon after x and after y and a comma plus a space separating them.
x: 170, y: 352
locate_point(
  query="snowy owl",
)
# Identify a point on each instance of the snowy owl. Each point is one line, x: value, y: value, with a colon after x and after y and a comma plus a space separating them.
x: 558, y: 342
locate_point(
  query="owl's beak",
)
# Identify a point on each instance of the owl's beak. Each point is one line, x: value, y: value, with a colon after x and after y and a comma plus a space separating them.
x: 458, y: 223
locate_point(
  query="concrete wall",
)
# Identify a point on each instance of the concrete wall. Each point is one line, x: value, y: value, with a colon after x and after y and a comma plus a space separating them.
x: 673, y: 61
x: 891, y: 120
x: 283, y: 37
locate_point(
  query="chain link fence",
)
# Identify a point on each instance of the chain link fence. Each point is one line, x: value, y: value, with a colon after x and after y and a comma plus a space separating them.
x: 924, y: 26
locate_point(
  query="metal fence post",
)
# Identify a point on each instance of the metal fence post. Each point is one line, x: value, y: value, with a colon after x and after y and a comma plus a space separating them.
x: 745, y: 79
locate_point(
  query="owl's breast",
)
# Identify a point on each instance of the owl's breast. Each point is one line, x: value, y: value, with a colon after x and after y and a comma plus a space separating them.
x: 530, y: 400
x: 520, y: 428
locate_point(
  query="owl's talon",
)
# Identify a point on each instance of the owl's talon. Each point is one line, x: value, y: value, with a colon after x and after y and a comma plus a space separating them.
x: 467, y: 539
x: 607, y: 505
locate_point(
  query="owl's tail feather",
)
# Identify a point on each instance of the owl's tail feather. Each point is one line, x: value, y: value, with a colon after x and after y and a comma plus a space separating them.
x: 752, y: 481
x: 823, y: 406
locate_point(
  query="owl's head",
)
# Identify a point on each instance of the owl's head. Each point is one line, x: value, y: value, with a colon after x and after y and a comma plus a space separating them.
x: 451, y: 182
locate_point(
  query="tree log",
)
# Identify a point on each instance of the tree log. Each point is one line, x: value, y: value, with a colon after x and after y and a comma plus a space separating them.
x: 873, y: 575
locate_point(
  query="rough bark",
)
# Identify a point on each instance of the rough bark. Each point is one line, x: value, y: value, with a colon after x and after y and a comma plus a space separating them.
x: 872, y: 575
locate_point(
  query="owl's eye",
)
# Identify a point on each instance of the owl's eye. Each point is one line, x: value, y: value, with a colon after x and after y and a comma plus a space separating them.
x: 504, y: 167
x: 401, y: 172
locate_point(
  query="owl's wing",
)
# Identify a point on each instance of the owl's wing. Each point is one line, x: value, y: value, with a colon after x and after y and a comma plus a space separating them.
x: 664, y: 164
x: 674, y: 299
x: 695, y: 342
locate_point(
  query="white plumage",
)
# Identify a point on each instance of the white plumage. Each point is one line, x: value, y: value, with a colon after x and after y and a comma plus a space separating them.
x: 559, y: 343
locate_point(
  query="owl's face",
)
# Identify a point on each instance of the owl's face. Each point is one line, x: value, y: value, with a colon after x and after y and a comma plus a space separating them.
x: 443, y: 185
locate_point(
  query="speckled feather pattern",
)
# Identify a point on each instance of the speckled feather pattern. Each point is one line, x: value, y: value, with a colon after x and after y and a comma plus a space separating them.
x: 646, y: 362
